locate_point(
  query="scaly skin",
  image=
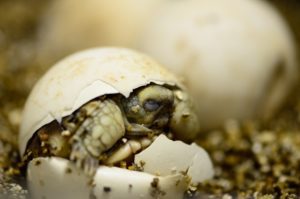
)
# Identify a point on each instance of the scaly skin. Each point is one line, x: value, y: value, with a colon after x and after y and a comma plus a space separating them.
x: 118, y: 127
x: 101, y: 128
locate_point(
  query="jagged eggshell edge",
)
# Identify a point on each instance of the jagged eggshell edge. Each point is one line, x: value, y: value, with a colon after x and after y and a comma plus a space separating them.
x: 59, y: 178
x: 55, y: 177
x: 83, y: 76
x: 174, y: 157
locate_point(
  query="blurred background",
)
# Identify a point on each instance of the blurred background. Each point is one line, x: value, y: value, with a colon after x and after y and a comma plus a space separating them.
x: 254, y: 156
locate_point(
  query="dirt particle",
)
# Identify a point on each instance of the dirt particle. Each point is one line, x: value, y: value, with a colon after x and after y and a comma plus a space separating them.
x: 155, y: 182
x: 36, y: 163
x: 68, y: 170
x: 106, y: 189
x: 155, y: 190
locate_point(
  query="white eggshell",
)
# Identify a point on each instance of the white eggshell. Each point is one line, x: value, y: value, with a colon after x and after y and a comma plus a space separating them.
x: 166, y: 157
x: 58, y: 178
x: 71, y: 25
x: 84, y: 76
x: 133, y: 184
x: 237, y: 56
x: 50, y: 179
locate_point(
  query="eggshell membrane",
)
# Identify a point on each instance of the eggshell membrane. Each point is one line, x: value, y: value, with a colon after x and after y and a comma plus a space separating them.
x: 227, y: 51
x: 82, y: 77
x: 174, y: 157
x: 59, y: 178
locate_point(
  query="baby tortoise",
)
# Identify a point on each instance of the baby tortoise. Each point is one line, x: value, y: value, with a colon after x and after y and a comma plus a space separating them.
x: 110, y: 129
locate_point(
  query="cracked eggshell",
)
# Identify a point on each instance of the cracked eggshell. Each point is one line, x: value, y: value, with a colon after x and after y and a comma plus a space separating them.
x: 237, y: 56
x: 59, y: 178
x: 84, y: 76
x: 175, y: 157
x: 56, y: 178
x: 124, y: 183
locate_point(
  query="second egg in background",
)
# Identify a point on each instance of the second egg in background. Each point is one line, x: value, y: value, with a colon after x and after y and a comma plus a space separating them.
x: 236, y: 57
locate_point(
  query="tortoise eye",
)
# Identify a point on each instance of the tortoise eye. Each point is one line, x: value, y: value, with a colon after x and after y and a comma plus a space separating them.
x: 151, y: 105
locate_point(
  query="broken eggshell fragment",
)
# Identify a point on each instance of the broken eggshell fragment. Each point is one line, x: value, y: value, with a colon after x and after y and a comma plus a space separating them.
x: 47, y: 176
x: 194, y: 161
x: 84, y: 76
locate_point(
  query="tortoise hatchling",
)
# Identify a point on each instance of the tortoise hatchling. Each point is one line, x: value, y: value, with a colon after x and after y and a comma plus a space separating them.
x: 101, y: 106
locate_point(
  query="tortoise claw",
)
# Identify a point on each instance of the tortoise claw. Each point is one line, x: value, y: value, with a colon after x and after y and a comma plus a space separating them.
x: 83, y: 160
